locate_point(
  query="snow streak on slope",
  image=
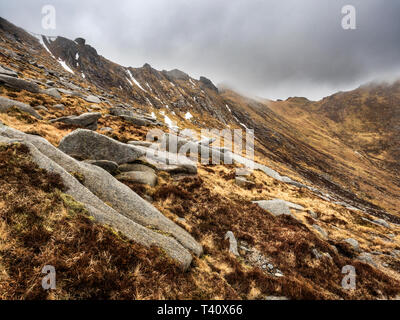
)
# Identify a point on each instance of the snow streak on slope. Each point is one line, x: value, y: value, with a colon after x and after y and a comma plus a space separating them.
x: 65, y: 66
x: 188, y: 116
x: 134, y: 80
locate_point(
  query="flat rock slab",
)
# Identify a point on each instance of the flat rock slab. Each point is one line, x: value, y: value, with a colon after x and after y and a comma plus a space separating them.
x: 8, y: 72
x: 53, y: 92
x: 87, y: 120
x: 91, y: 145
x: 92, y: 99
x: 111, y: 202
x: 6, y: 104
x: 117, y: 111
x: 166, y: 161
x: 278, y: 207
x: 137, y: 121
x: 142, y: 177
x: 19, y: 84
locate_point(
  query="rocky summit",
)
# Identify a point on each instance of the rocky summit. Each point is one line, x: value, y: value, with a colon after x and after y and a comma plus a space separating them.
x: 126, y: 180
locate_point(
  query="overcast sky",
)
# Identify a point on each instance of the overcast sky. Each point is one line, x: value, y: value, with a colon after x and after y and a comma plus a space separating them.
x: 272, y: 49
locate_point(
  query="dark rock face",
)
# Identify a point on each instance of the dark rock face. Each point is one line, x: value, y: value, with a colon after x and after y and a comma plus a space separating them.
x: 207, y: 83
x: 6, y: 104
x: 80, y: 41
x: 176, y: 74
x: 19, y: 84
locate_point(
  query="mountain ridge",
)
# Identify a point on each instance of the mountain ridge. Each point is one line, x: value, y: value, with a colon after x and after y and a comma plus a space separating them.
x: 340, y: 200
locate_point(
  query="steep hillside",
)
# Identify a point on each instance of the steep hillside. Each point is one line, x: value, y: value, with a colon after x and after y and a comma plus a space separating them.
x: 80, y: 191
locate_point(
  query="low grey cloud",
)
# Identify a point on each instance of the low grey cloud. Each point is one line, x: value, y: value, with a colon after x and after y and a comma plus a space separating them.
x: 272, y: 49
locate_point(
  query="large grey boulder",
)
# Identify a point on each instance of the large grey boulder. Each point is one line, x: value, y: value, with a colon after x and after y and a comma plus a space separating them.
x: 92, y: 99
x: 96, y: 207
x: 8, y: 72
x: 105, y: 187
x: 86, y: 120
x: 53, y: 92
x: 19, y: 84
x: 278, y: 207
x: 167, y: 161
x: 137, y: 120
x: 118, y: 111
x: 143, y: 177
x: 175, y: 144
x: 92, y: 145
x: 6, y: 104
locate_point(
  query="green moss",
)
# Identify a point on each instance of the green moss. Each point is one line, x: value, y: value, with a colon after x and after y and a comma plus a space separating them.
x: 78, y: 176
x: 74, y: 207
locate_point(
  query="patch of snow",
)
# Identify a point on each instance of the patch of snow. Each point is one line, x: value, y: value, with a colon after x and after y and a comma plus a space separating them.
x: 162, y: 112
x: 65, y: 66
x: 77, y: 56
x: 134, y: 80
x: 229, y: 109
x: 83, y: 75
x: 191, y: 81
x: 171, y: 124
x: 40, y: 38
x: 172, y: 84
x: 153, y: 115
x: 188, y: 116
x: 149, y: 86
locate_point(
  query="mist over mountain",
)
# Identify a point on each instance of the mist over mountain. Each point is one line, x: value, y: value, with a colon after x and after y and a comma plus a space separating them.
x: 264, y: 48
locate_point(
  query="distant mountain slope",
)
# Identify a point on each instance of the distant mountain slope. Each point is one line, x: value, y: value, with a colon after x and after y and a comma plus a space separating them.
x: 321, y: 197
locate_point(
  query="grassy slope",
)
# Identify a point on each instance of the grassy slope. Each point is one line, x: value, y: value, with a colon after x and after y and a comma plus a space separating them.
x: 94, y: 262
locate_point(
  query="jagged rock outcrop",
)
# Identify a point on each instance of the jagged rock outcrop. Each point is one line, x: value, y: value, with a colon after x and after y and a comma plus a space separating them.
x: 98, y: 188
x: 91, y: 145
x: 19, y: 84
x: 176, y: 74
x: 86, y: 120
x: 207, y: 83
x: 8, y: 72
x: 6, y: 104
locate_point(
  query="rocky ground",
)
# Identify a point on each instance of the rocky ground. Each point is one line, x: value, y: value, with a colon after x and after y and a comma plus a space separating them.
x: 80, y: 189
